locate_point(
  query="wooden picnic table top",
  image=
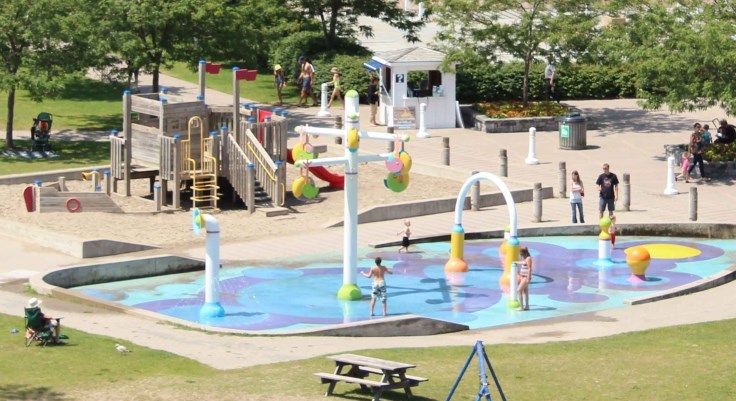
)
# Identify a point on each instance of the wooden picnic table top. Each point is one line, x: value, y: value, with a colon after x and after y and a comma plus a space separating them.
x: 360, y: 360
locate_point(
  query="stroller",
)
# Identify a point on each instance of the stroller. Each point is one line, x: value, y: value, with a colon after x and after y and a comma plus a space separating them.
x: 40, y: 132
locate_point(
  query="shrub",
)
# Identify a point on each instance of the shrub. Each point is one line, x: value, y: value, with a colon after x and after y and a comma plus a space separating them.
x: 720, y: 152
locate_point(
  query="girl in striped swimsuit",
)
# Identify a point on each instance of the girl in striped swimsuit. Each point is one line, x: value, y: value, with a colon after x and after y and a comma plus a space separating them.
x: 525, y: 276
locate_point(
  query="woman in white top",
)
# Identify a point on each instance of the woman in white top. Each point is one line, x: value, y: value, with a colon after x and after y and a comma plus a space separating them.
x: 576, y: 197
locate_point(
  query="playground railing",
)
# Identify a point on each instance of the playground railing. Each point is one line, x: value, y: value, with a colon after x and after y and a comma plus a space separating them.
x: 236, y: 169
x: 268, y: 173
x: 117, y: 157
x: 172, y: 163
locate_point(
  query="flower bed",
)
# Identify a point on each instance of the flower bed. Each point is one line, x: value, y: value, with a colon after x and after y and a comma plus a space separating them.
x: 495, y: 117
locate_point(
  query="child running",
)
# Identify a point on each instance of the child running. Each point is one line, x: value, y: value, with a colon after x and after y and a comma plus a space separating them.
x: 406, y: 232
x: 379, y: 284
x: 612, y: 231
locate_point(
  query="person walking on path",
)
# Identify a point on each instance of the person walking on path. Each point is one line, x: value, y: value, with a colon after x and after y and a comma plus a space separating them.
x: 576, y: 197
x: 373, y: 99
x: 525, y: 277
x: 550, y: 74
x: 695, y: 148
x: 608, y: 188
x: 336, y: 83
x: 379, y: 284
x: 279, y: 81
x: 307, y: 77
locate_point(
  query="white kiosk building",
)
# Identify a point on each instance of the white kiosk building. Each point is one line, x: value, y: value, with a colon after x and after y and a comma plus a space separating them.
x: 408, y: 78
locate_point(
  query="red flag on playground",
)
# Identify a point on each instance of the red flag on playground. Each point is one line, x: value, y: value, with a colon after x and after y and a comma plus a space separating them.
x: 248, y: 75
x: 212, y: 68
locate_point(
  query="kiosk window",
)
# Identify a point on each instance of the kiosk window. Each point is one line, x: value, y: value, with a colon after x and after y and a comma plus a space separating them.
x: 420, y: 83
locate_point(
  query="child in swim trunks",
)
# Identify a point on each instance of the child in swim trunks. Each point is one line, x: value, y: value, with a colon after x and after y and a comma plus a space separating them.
x: 379, y: 284
x: 406, y: 231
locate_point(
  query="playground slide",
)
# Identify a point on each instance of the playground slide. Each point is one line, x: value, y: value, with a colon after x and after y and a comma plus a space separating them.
x: 336, y: 181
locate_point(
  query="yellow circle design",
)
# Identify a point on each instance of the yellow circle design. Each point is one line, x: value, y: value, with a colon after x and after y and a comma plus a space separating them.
x: 669, y: 251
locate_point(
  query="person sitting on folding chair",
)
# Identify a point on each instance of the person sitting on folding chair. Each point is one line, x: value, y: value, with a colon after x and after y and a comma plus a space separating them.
x: 33, y: 312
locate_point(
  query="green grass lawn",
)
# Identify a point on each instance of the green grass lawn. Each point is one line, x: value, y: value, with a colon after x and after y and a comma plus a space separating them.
x: 261, y: 90
x: 84, y: 104
x: 71, y: 155
x: 692, y: 362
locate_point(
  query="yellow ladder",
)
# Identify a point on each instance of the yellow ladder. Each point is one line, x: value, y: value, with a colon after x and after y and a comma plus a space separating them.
x: 204, y: 175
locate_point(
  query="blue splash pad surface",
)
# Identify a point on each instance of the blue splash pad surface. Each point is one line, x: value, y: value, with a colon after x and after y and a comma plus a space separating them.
x: 300, y: 293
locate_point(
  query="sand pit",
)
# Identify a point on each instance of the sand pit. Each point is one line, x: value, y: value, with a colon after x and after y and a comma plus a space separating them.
x: 173, y: 230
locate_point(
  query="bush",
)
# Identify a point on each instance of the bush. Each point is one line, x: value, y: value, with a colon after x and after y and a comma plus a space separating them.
x: 354, y: 76
x: 718, y: 152
x: 479, y: 81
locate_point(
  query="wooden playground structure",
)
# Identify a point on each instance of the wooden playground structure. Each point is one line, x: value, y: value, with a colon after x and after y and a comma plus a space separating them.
x: 188, y: 144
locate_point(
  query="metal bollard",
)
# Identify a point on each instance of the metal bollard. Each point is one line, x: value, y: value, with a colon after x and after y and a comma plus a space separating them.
x: 626, y: 192
x: 422, y: 133
x: 445, y: 151
x: 670, y: 189
x: 503, y: 166
x: 475, y: 194
x: 537, y: 199
x: 563, y: 180
x: 694, y: 203
x: 323, y: 111
x: 532, y: 157
x: 250, y: 178
x: 157, y: 197
x: 338, y: 125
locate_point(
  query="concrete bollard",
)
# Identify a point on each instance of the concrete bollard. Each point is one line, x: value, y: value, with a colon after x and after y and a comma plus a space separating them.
x: 475, y: 194
x: 503, y: 163
x: 338, y: 125
x: 563, y: 180
x: 537, y: 199
x: 62, y: 185
x: 445, y: 151
x: 694, y: 203
x: 670, y: 189
x: 157, y: 197
x: 626, y: 192
x: 532, y: 157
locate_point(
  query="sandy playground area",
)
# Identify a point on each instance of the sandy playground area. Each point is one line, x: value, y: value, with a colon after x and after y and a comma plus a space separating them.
x: 141, y: 224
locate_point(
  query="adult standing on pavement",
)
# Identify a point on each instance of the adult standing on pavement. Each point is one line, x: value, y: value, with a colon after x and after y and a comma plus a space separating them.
x: 576, y: 197
x: 550, y: 74
x: 695, y: 148
x: 608, y: 188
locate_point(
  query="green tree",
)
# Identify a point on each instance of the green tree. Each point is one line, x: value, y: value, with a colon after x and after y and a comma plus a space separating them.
x: 521, y: 29
x: 684, y: 53
x: 340, y: 18
x: 39, y: 49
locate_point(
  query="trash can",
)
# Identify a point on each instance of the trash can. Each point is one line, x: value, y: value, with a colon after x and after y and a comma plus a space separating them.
x: 573, y: 131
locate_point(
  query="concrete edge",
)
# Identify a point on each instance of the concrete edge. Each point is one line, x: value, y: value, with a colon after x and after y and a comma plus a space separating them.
x: 437, y: 205
x: 57, y: 283
x: 71, y: 245
x: 49, y: 176
x: 723, y: 277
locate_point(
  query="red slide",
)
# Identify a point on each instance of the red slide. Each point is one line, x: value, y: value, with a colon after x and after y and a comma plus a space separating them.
x: 336, y: 181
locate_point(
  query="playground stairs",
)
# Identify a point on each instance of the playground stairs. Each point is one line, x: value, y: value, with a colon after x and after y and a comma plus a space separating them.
x: 204, y: 191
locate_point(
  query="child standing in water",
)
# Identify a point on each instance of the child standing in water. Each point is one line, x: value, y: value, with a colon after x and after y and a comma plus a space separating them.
x: 612, y: 231
x: 525, y: 277
x: 379, y: 284
x: 406, y: 231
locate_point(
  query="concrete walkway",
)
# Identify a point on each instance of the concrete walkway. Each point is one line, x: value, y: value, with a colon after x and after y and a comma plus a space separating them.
x: 630, y: 139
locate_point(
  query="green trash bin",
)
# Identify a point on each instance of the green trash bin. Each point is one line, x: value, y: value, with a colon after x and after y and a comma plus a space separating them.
x: 573, y: 131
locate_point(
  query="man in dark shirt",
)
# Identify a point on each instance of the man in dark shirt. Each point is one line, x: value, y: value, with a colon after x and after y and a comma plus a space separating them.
x: 608, y: 187
x: 726, y: 133
x: 373, y: 98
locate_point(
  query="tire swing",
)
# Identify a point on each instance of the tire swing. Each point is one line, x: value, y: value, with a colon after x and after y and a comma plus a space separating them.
x: 73, y: 205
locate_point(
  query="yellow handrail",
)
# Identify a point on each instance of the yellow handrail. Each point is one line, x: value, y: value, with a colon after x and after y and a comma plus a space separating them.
x: 257, y: 156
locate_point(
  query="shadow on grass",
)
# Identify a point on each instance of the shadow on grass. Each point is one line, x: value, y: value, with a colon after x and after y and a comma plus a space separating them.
x: 70, y: 154
x: 85, y: 89
x: 23, y: 392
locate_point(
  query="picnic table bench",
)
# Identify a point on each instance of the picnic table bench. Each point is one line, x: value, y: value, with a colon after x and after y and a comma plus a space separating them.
x: 355, y: 369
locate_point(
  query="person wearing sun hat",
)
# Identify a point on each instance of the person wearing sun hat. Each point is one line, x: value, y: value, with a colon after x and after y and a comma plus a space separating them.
x: 279, y: 80
x: 336, y: 83
x: 49, y: 321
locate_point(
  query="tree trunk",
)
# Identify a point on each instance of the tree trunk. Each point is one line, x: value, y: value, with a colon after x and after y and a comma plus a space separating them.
x: 525, y: 85
x: 156, y: 73
x: 9, y: 125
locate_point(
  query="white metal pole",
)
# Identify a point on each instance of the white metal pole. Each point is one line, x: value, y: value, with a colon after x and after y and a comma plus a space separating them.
x: 422, y: 123
x: 532, y: 158
x: 202, y: 73
x: 349, y: 288
x: 212, y: 307
x: 670, y: 189
x: 323, y: 111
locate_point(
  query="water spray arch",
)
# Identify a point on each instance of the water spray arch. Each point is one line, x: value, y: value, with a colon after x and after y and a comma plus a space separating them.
x: 510, y: 247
